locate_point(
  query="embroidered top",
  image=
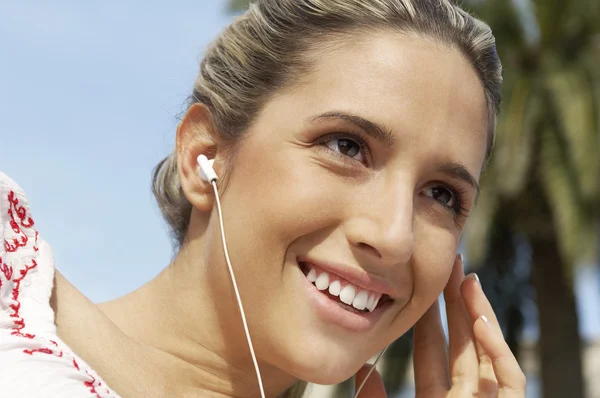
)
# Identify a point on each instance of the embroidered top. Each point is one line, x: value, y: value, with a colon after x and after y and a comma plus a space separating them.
x: 34, y: 362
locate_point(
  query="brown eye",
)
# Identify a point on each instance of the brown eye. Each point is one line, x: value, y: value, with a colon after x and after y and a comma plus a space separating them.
x: 442, y: 195
x: 346, y: 147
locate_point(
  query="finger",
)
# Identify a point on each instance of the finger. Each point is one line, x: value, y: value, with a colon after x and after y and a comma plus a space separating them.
x: 471, y: 292
x: 464, y: 363
x: 488, y: 385
x: 430, y: 358
x: 478, y: 305
x: 476, y: 302
x: 511, y: 380
x: 373, y: 386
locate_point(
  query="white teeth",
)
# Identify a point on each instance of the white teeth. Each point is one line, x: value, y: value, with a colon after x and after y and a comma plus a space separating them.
x: 360, y: 301
x: 372, y: 306
x: 347, y: 294
x: 322, y: 281
x: 375, y: 302
x: 370, y: 302
x: 375, y: 297
x: 335, y: 288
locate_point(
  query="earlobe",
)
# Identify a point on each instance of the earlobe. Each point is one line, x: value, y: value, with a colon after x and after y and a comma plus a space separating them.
x: 196, y: 135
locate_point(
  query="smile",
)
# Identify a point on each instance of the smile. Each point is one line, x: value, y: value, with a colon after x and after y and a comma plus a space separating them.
x: 347, y: 295
x: 342, y: 302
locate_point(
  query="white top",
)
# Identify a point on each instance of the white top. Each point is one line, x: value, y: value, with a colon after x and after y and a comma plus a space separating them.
x: 34, y: 362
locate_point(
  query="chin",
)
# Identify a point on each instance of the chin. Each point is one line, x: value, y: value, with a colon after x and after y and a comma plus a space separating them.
x: 321, y: 355
x: 321, y: 340
x: 326, y: 366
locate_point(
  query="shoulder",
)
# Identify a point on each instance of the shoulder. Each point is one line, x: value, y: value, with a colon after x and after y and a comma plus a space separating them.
x: 35, y: 361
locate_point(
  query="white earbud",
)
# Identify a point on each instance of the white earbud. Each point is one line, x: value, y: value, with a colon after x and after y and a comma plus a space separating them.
x: 207, y: 173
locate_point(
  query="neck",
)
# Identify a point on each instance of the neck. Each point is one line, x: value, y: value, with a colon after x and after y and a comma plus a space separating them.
x: 190, y: 315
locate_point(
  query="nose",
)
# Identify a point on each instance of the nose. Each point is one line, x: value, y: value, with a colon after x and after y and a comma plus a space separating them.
x: 381, y: 225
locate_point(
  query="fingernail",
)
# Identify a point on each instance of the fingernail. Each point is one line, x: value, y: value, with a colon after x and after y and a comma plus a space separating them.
x: 474, y: 276
x: 460, y: 257
x: 486, y: 321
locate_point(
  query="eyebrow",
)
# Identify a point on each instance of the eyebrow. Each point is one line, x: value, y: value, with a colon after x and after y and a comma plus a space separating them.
x: 458, y: 171
x: 375, y: 130
x: 452, y: 169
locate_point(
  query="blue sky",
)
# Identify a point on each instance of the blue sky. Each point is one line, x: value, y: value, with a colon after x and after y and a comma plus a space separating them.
x: 90, y: 93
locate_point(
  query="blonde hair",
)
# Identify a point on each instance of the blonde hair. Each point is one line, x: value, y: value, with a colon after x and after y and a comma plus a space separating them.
x: 276, y: 42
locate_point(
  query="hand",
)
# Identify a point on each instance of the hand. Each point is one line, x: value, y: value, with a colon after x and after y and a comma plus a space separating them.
x: 478, y: 362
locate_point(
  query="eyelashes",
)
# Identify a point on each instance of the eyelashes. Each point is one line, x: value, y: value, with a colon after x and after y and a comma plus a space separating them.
x: 456, y: 197
x: 347, y: 146
x: 343, y: 145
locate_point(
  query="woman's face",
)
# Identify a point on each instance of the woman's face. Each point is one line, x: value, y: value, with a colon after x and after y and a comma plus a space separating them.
x: 361, y: 177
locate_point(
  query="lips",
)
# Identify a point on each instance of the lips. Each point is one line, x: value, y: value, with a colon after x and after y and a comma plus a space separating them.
x: 347, y: 294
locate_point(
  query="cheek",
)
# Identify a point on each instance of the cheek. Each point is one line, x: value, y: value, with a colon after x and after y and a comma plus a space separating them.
x: 433, y: 258
x: 283, y: 194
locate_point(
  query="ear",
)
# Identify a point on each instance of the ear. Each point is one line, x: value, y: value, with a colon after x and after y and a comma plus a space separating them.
x: 196, y: 135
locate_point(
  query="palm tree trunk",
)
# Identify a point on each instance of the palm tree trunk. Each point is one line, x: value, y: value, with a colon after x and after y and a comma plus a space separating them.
x: 559, y: 343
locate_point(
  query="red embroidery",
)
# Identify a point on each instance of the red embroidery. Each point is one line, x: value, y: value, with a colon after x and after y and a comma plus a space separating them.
x: 49, y: 351
x: 42, y: 350
x: 24, y: 221
x: 19, y: 220
x: 91, y: 386
x: 16, y: 306
x: 37, y: 234
x: 6, y: 270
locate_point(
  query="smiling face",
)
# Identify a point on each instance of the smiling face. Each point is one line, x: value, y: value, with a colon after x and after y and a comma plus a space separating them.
x: 355, y: 183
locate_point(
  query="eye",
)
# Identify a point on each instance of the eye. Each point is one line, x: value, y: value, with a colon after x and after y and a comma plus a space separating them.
x: 443, y: 195
x: 346, y: 147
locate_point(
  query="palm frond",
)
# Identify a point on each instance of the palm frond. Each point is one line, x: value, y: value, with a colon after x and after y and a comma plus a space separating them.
x: 550, y: 17
x: 512, y: 157
x: 572, y: 223
x: 574, y: 103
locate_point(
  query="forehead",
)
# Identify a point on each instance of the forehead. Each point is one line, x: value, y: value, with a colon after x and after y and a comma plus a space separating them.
x: 423, y: 90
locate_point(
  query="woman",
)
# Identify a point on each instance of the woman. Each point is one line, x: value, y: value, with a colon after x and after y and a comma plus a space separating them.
x: 348, y: 137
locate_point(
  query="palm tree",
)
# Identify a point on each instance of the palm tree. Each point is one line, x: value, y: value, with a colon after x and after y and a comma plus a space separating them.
x: 544, y: 179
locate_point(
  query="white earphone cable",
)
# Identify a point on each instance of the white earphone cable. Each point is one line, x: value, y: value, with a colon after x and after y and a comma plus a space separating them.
x: 241, y: 307
x: 237, y: 293
x: 359, y: 389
